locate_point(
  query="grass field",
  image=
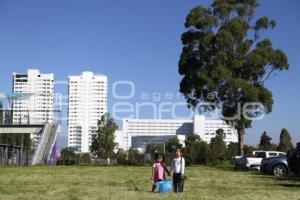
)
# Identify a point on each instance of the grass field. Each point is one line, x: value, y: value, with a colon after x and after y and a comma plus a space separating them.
x: 82, y: 182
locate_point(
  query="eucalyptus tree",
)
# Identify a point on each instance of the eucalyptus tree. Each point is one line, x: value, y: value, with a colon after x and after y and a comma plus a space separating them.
x: 225, y: 62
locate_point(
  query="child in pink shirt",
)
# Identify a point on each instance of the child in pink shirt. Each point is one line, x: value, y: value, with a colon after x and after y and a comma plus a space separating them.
x: 158, y: 171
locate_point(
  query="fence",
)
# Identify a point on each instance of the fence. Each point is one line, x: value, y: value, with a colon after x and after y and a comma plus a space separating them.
x: 13, y: 155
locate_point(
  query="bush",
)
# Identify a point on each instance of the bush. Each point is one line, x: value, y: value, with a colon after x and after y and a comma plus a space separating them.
x: 85, y: 158
x: 224, y: 164
x: 196, y: 151
x: 130, y: 157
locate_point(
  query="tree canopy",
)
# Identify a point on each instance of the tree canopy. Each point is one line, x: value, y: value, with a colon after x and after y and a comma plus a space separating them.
x: 196, y: 150
x: 265, y: 142
x: 217, y: 148
x: 224, y: 61
x: 285, y: 143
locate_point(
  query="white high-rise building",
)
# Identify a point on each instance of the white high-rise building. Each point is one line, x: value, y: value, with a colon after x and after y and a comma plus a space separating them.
x: 87, y: 103
x: 35, y: 102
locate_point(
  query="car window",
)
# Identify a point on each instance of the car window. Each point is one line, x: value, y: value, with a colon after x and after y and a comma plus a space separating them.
x: 272, y: 154
x: 260, y: 154
x: 281, y: 154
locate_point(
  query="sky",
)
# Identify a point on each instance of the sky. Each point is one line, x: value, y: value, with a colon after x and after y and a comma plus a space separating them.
x: 136, y: 43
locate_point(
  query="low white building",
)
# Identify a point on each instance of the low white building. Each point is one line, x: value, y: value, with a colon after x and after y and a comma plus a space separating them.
x: 206, y: 129
x: 137, y: 133
x: 119, y: 139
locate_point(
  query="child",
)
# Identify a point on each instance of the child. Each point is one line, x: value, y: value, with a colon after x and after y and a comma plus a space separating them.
x: 158, y: 171
x: 177, y: 167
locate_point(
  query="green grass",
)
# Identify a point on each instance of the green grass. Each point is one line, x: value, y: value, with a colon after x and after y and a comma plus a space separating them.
x: 94, y: 182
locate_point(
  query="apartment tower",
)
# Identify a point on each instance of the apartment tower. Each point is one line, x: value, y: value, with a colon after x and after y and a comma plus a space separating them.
x: 87, y: 103
x: 33, y: 97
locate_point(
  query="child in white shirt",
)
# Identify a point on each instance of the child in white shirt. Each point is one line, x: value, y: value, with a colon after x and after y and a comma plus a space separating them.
x: 177, y: 167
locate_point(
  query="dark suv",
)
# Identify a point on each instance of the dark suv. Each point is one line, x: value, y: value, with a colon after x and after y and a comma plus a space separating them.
x: 277, y: 166
x: 293, y: 158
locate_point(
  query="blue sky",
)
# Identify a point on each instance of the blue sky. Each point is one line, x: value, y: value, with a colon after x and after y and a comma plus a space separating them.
x: 136, y: 41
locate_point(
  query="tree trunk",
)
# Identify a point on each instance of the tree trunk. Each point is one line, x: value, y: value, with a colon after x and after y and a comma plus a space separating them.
x: 241, y: 141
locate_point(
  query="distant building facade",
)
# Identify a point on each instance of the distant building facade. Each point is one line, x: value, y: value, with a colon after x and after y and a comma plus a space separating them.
x: 37, y: 106
x: 36, y: 98
x: 137, y: 133
x: 87, y: 103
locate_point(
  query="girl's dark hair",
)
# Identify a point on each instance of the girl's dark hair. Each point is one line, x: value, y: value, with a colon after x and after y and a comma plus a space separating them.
x: 179, y: 148
x: 158, y: 155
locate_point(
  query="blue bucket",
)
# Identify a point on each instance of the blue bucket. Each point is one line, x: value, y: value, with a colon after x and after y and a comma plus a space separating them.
x: 164, y: 186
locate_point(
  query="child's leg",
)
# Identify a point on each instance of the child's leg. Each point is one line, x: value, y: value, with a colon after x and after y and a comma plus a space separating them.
x: 175, y: 184
x: 153, y: 187
x: 180, y: 185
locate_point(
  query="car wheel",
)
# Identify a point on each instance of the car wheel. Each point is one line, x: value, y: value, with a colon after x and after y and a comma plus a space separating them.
x: 279, y: 170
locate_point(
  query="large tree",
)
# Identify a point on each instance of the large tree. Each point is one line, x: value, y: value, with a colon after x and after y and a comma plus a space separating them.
x: 103, y: 141
x: 285, y: 143
x: 225, y: 62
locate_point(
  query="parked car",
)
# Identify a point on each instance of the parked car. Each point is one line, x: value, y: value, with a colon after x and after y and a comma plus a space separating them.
x: 239, y: 162
x: 254, y: 161
x: 294, y: 159
x: 277, y: 166
x: 255, y: 166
